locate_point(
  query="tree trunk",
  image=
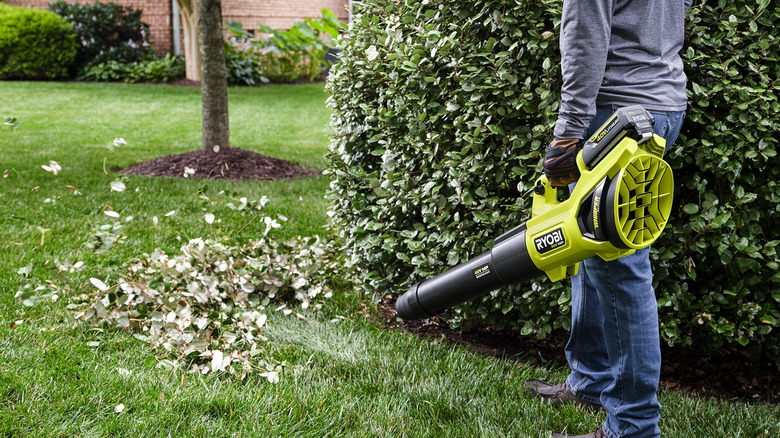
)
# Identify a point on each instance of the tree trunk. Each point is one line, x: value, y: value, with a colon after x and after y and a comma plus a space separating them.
x: 213, y: 75
x: 189, y: 25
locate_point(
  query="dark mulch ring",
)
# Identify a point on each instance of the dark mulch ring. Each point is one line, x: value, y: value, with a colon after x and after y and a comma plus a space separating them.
x: 729, y: 374
x: 228, y: 163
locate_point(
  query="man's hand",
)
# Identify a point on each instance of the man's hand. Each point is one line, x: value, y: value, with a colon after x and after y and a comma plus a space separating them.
x: 560, y: 162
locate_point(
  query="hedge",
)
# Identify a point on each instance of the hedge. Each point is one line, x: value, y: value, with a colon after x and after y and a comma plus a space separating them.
x: 34, y: 44
x: 442, y: 111
x: 105, y: 32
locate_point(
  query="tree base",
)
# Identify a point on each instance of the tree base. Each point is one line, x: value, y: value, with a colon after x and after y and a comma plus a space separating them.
x: 232, y: 164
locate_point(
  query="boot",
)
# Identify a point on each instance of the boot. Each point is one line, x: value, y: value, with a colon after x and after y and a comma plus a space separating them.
x: 557, y: 394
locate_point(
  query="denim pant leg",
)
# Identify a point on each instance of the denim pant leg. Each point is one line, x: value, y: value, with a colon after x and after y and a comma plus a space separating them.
x: 614, y: 348
x: 585, y: 351
x: 629, y: 339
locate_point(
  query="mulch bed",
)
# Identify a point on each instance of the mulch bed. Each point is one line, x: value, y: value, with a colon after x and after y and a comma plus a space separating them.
x: 728, y: 374
x: 232, y: 163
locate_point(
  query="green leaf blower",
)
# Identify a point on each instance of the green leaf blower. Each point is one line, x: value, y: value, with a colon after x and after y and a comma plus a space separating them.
x: 621, y: 203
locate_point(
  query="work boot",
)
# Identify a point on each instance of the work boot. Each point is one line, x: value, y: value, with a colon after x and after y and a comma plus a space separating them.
x: 557, y: 394
x: 598, y: 433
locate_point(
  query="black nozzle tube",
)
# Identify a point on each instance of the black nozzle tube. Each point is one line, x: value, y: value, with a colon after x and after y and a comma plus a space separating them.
x: 507, y: 263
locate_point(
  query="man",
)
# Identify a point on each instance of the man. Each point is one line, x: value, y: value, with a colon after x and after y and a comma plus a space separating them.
x: 615, y: 53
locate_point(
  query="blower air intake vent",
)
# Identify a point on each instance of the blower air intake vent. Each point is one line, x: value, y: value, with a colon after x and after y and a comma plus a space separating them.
x: 640, y: 201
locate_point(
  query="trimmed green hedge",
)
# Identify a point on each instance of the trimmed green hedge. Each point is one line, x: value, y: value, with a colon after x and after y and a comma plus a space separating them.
x: 34, y: 44
x: 718, y: 270
x: 442, y: 111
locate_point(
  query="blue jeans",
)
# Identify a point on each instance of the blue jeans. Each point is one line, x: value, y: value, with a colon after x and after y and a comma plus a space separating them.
x: 614, y: 349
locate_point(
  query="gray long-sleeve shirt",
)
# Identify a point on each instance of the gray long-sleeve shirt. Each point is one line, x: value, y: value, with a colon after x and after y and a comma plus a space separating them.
x: 619, y: 52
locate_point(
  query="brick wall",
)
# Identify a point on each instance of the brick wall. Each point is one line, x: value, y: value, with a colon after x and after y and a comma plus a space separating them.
x: 278, y: 14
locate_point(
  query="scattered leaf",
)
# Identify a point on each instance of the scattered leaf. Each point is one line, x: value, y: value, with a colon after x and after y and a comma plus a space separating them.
x: 271, y: 376
x: 218, y: 362
x: 53, y: 167
x: 25, y: 270
x: 118, y: 186
x: 98, y: 284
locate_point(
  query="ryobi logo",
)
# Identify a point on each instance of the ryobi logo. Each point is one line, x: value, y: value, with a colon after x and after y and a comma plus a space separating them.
x: 549, y: 241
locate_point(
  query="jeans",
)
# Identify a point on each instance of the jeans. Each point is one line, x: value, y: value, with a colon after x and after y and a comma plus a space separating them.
x: 614, y: 347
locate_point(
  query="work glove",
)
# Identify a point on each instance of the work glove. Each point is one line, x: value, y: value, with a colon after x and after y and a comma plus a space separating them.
x: 560, y: 162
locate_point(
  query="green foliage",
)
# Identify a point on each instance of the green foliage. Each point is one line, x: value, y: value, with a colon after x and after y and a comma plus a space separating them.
x: 165, y: 69
x: 286, y: 56
x: 105, y: 32
x: 168, y: 68
x: 34, y: 44
x: 109, y: 71
x: 718, y: 271
x: 441, y: 113
x: 243, y: 67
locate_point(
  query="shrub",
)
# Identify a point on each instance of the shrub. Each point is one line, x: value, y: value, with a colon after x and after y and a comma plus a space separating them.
x: 164, y: 69
x: 718, y: 272
x: 109, y: 71
x: 243, y: 66
x: 441, y: 114
x: 105, y: 32
x: 300, y: 52
x: 34, y: 44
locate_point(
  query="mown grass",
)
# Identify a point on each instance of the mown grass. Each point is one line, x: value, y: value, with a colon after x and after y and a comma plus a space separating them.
x: 343, y: 375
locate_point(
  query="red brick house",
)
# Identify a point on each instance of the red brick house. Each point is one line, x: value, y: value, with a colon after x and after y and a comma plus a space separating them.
x: 163, y: 22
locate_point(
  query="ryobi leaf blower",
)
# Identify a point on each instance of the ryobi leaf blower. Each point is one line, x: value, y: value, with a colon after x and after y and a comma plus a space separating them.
x: 621, y: 203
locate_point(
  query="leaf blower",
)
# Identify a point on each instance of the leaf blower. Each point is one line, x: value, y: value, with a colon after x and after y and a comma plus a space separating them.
x: 621, y: 203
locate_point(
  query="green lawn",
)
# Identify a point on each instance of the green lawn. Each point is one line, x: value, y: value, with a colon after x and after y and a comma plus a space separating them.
x: 343, y: 374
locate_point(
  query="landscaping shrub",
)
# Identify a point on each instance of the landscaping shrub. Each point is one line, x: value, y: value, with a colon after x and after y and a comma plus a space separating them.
x: 243, y: 66
x: 34, y: 44
x: 718, y: 269
x: 286, y: 56
x: 105, y: 32
x: 442, y: 111
x: 155, y: 69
